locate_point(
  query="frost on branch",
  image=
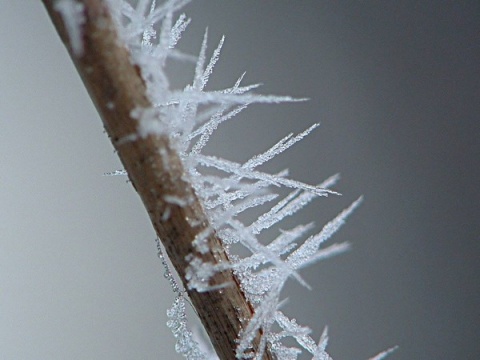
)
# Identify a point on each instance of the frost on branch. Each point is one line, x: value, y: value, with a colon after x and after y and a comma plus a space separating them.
x: 186, y: 344
x: 73, y: 17
x: 178, y: 324
x: 227, y: 189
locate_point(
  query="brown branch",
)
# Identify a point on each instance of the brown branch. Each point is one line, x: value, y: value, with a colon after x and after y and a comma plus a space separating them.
x: 155, y: 170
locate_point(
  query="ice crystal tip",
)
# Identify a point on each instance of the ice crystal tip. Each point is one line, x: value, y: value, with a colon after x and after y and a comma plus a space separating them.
x: 384, y: 354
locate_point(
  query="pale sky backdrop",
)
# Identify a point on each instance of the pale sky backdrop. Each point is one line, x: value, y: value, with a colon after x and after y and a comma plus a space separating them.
x: 395, y: 85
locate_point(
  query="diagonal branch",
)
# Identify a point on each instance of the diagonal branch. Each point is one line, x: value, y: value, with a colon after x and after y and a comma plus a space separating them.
x: 155, y: 170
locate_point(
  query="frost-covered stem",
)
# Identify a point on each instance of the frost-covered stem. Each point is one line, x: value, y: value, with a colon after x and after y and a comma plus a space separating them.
x: 155, y: 170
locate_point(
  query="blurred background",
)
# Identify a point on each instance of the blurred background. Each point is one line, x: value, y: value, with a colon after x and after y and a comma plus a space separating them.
x: 395, y: 86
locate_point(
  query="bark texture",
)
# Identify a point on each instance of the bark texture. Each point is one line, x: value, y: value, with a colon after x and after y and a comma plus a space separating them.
x: 155, y: 170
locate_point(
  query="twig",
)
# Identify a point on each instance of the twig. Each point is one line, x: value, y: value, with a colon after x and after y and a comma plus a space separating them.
x: 155, y: 170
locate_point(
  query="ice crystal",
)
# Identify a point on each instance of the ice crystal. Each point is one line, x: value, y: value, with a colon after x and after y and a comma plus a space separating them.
x: 73, y: 17
x: 186, y: 345
x: 188, y: 117
x: 384, y: 354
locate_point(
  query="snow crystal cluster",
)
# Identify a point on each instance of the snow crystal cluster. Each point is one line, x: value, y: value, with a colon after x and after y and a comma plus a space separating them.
x: 189, y: 116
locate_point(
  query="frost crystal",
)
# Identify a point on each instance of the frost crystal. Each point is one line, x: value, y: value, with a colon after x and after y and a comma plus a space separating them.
x: 226, y: 189
x: 73, y: 17
x: 186, y: 345
x: 384, y: 354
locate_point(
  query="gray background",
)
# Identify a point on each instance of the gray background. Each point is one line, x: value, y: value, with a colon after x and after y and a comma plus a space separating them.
x: 395, y: 85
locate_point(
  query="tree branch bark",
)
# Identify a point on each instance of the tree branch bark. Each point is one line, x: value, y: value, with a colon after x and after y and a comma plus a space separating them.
x: 155, y: 170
